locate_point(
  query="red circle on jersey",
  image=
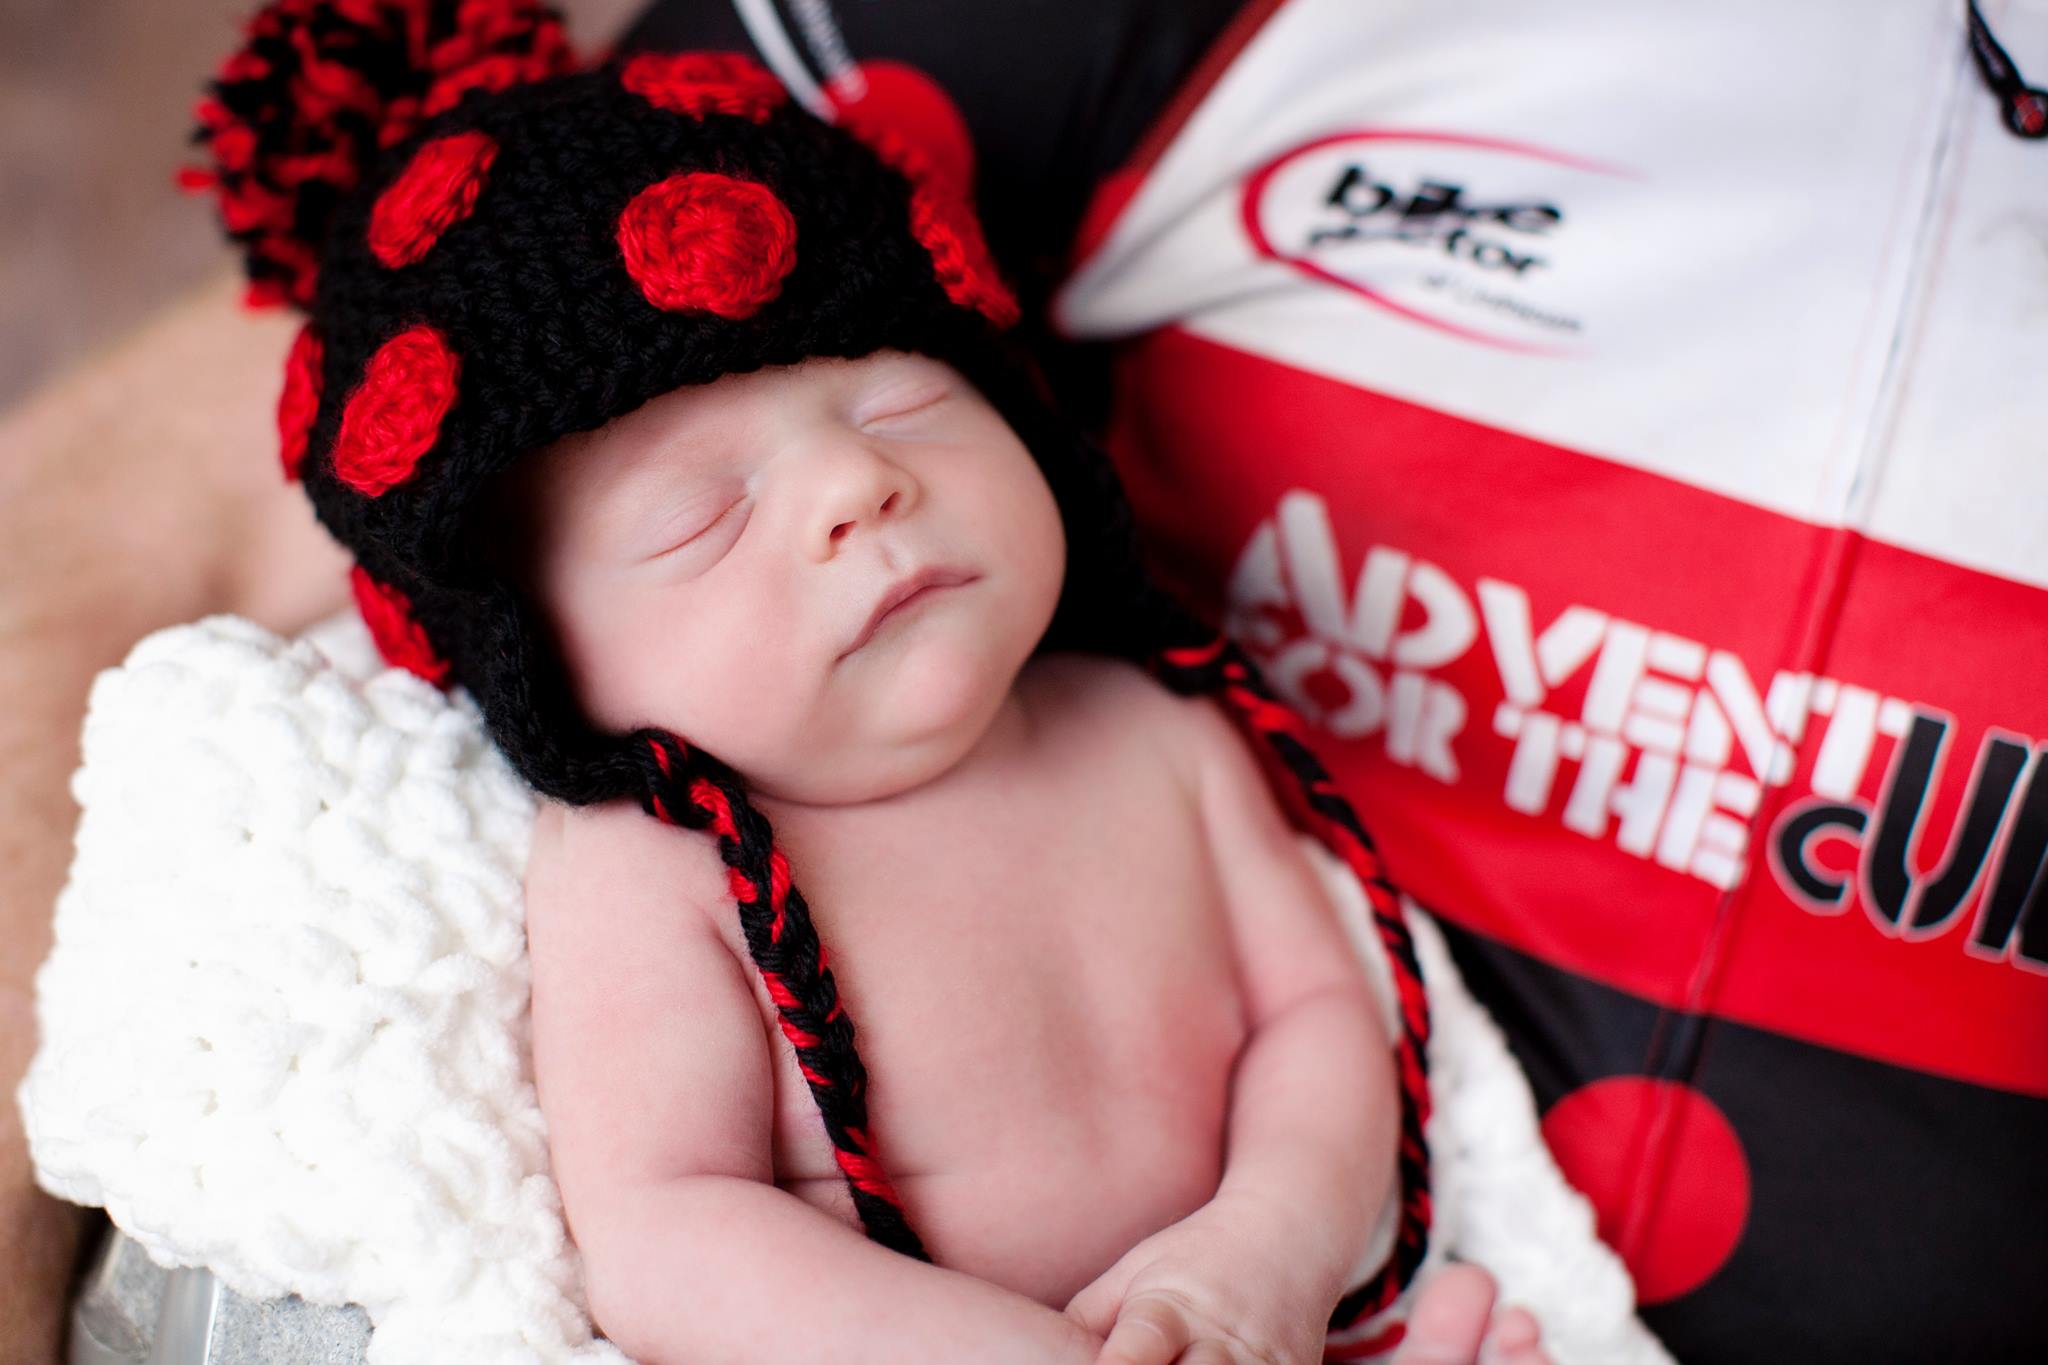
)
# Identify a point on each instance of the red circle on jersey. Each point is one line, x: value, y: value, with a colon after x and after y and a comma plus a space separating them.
x: 399, y: 638
x: 436, y: 190
x: 700, y: 83
x: 394, y: 416
x: 300, y: 400
x: 702, y: 242
x: 1665, y: 1171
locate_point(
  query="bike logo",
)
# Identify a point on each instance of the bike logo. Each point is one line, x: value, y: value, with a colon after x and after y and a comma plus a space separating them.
x: 1468, y: 236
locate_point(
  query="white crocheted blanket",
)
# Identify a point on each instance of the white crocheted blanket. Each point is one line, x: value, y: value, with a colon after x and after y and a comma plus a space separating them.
x: 284, y: 1028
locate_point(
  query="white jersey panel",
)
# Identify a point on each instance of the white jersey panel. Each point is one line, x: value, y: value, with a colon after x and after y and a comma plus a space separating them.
x: 1964, y: 475
x: 1687, y: 243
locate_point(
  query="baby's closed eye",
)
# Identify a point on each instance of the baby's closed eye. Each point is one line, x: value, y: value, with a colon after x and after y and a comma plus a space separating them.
x: 894, y: 403
x: 692, y: 526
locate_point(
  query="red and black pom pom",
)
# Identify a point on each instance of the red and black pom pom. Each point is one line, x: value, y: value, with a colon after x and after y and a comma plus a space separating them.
x: 294, y: 115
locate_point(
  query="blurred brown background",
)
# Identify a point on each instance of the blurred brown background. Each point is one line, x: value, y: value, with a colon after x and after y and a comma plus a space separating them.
x: 95, y: 105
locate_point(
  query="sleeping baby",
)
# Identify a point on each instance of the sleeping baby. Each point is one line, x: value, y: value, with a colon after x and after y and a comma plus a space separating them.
x: 682, y: 430
x: 1128, y: 1063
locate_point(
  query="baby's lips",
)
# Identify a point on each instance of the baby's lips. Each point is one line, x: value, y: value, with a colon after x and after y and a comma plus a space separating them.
x: 914, y: 585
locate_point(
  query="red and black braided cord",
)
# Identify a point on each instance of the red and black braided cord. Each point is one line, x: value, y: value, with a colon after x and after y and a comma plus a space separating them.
x: 1219, y: 667
x: 689, y: 788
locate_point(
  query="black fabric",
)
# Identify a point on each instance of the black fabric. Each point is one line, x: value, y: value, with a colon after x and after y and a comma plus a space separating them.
x: 1886, y: 1206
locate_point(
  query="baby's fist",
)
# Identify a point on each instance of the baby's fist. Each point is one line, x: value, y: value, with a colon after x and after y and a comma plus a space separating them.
x: 1159, y: 1328
x: 1216, y: 1288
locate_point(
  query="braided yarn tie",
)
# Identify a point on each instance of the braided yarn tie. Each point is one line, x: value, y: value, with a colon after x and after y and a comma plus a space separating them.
x: 690, y: 789
x: 1220, y: 666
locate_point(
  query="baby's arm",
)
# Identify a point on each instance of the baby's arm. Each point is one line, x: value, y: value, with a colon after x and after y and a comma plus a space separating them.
x: 1309, y: 1151
x: 1253, y: 1274
x: 655, y: 1076
x: 1315, y: 1108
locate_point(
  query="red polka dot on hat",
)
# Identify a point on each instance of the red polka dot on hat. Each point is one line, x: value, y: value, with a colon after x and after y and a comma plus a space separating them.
x: 700, y: 83
x: 394, y: 416
x: 399, y: 638
x: 300, y: 400
x: 437, y: 189
x: 709, y: 243
x: 943, y: 223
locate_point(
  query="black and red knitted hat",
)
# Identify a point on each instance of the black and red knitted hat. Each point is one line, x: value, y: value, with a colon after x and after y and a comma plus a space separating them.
x: 497, y: 246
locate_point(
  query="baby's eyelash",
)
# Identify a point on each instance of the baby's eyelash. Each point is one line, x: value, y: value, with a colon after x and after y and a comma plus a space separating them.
x: 715, y: 520
x: 701, y: 531
x: 916, y: 404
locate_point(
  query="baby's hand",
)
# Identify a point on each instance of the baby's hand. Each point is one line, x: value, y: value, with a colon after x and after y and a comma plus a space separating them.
x: 1455, y: 1322
x: 1213, y: 1289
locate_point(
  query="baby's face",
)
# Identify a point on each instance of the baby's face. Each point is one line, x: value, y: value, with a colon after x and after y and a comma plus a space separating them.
x: 710, y: 564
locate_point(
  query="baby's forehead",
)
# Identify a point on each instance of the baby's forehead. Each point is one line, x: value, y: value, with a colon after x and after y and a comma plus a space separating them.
x: 669, y: 426
x: 657, y: 438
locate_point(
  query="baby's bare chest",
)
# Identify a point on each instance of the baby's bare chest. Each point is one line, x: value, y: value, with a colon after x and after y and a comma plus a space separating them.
x: 1042, y: 982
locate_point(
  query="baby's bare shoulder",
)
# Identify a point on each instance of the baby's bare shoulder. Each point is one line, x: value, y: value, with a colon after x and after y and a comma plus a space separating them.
x: 648, y: 1049
x: 613, y: 865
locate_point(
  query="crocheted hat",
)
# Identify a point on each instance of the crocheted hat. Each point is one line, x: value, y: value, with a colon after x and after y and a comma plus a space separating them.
x: 496, y: 248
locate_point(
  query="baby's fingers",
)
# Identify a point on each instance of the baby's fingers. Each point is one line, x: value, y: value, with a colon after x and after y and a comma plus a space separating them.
x: 1514, y: 1339
x: 1150, y: 1330
x: 1450, y: 1319
x: 1455, y: 1323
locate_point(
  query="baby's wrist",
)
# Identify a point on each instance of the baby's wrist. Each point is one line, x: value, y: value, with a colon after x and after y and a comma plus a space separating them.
x: 1306, y: 1254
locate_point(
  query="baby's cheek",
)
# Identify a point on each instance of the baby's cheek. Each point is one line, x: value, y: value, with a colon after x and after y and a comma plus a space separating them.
x: 742, y: 693
x: 629, y: 661
x: 1041, y: 543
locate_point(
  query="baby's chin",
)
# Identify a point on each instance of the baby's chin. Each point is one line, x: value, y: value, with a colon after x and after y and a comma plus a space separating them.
x: 908, y: 717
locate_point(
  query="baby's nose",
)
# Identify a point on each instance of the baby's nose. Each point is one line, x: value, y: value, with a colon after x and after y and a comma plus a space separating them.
x: 863, y: 486
x: 888, y: 504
